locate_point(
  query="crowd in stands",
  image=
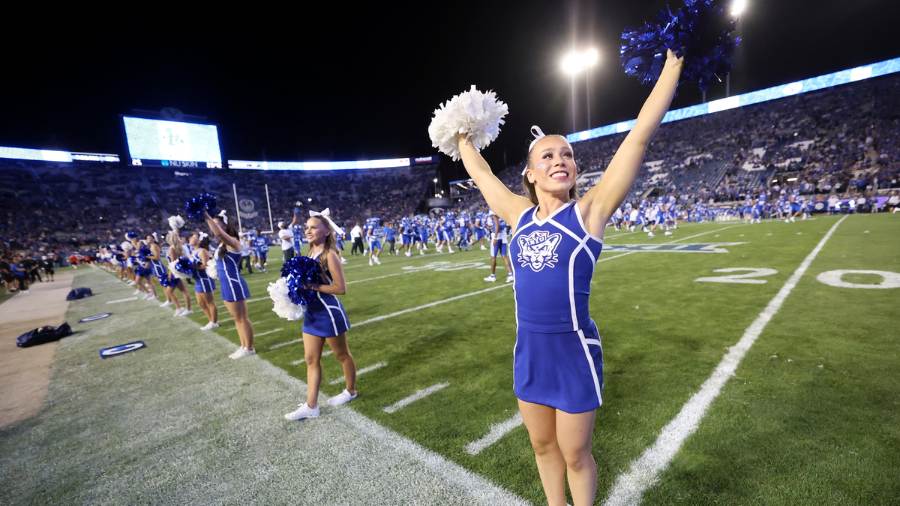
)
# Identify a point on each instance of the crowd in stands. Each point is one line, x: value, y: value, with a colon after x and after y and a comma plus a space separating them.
x: 842, y: 141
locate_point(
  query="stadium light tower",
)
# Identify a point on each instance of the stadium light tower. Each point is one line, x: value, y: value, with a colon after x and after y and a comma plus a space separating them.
x: 573, y: 63
x: 737, y: 9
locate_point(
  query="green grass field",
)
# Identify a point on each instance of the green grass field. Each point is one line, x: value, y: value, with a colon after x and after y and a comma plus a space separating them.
x: 811, y: 415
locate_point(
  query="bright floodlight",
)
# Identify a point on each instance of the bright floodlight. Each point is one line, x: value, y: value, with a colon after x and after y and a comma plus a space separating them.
x: 738, y: 7
x: 591, y: 57
x: 571, y: 63
x: 435, y: 180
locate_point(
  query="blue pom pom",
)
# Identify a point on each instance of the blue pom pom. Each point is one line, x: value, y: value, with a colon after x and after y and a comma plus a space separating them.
x: 185, y: 266
x: 131, y: 234
x: 701, y: 30
x: 299, y: 271
x: 195, y: 206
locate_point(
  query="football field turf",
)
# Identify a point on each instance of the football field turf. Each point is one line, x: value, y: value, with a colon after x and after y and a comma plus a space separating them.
x: 806, y: 410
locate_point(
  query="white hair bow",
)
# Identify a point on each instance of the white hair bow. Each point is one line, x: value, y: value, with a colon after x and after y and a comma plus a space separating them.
x: 176, y: 222
x: 203, y: 235
x: 538, y: 135
x: 326, y: 215
x: 224, y: 216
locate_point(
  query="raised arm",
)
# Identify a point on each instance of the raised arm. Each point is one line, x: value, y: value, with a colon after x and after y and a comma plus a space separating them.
x: 500, y: 199
x: 223, y: 236
x: 602, y: 200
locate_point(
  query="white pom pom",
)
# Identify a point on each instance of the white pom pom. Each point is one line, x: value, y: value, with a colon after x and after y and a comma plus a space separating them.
x: 176, y: 222
x: 127, y: 246
x: 211, y: 269
x: 282, y: 304
x: 473, y: 113
x: 178, y: 274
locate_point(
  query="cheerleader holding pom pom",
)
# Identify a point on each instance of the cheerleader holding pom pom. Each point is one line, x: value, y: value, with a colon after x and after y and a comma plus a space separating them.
x: 325, y: 319
x: 558, y: 361
x: 234, y: 288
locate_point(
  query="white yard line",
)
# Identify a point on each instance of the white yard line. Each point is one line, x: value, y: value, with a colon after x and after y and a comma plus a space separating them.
x: 497, y: 431
x: 286, y: 343
x: 267, y: 332
x: 360, y: 372
x: 127, y: 299
x: 644, y: 472
x: 420, y: 394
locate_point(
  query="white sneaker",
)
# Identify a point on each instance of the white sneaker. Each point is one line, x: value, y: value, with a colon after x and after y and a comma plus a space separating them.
x: 210, y: 326
x: 186, y: 311
x: 302, y: 412
x: 178, y: 313
x: 668, y: 233
x: 421, y: 252
x: 241, y: 353
x: 491, y: 278
x: 408, y: 253
x: 136, y: 292
x: 371, y: 262
x: 165, y: 304
x: 510, y: 279
x: 377, y: 261
x: 149, y: 296
x: 483, y: 248
x: 449, y: 249
x: 131, y: 283
x: 651, y: 234
x: 343, y: 261
x: 342, y: 398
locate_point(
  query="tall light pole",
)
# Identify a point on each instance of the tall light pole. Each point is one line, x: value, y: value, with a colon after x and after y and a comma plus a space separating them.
x: 573, y: 63
x: 736, y: 11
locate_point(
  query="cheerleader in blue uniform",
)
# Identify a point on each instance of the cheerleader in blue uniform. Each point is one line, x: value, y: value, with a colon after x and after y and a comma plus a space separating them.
x: 143, y: 272
x: 325, y: 319
x: 162, y: 275
x: 204, y: 286
x: 558, y: 360
x: 235, y: 291
x: 173, y: 282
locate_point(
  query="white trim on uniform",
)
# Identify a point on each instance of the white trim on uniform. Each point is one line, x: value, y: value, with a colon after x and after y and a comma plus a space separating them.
x: 581, y: 222
x: 328, y: 308
x: 540, y: 222
x: 590, y: 361
x: 230, y: 279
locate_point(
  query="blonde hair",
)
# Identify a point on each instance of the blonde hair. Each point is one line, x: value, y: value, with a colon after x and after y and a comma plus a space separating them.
x: 330, y: 244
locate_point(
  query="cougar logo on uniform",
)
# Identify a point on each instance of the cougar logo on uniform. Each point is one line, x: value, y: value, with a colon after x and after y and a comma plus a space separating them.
x: 538, y: 250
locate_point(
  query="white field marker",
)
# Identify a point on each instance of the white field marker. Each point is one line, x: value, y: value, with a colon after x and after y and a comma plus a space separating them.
x: 644, y: 471
x: 420, y: 394
x: 496, y: 432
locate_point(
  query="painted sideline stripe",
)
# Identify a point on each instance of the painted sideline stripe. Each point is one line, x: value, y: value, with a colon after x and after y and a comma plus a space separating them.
x: 267, y: 332
x: 420, y: 394
x: 644, y: 471
x: 498, y: 430
x: 121, y: 300
x: 360, y: 372
x: 286, y: 343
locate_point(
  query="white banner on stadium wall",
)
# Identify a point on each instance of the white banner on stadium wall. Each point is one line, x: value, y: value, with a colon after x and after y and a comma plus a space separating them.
x: 247, y: 208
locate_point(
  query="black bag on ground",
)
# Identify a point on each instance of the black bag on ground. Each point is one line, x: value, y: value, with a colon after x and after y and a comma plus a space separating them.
x: 79, y: 293
x: 43, y: 335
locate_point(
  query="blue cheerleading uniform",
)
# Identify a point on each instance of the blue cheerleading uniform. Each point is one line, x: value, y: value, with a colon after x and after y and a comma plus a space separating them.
x: 558, y: 356
x: 234, y: 287
x: 325, y: 315
x: 202, y: 282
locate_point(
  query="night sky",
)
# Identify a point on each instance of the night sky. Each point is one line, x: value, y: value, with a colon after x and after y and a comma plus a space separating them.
x: 347, y: 81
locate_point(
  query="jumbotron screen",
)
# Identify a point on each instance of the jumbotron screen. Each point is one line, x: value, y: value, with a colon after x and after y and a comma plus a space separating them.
x: 172, y: 143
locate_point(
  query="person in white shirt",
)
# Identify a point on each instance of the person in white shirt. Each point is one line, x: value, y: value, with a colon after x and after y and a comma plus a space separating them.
x: 287, y: 241
x: 356, y: 237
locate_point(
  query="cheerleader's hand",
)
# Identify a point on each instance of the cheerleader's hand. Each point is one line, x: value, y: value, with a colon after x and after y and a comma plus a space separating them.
x: 672, y: 60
